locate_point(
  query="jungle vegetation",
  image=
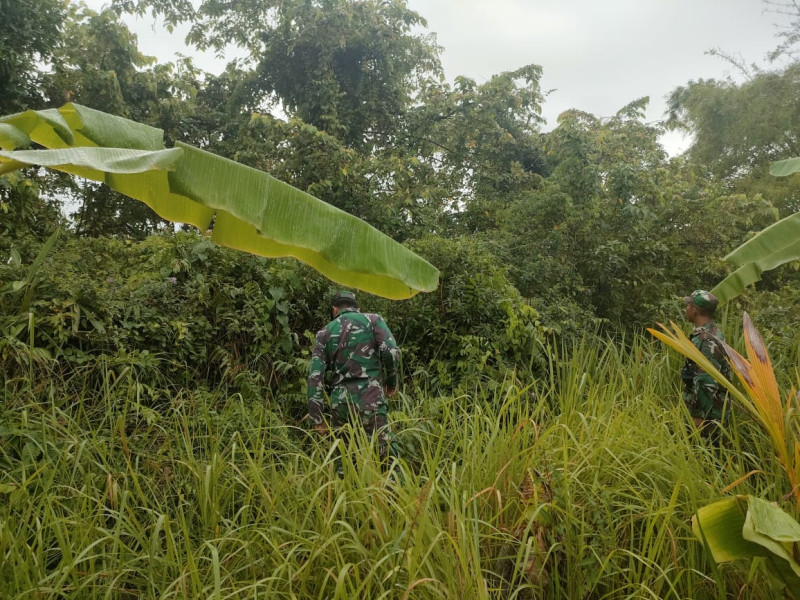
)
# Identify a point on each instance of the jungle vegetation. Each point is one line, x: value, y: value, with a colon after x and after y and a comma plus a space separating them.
x: 152, y: 433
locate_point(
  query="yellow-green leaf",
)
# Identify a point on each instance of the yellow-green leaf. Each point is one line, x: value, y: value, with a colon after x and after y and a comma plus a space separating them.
x: 770, y: 527
x: 251, y: 210
x: 745, y: 527
x: 719, y: 526
x: 12, y: 138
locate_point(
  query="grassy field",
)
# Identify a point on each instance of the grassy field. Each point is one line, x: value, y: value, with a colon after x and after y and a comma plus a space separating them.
x: 579, y: 485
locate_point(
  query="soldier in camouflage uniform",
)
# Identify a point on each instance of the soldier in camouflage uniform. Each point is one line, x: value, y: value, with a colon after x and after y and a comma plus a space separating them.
x: 706, y: 399
x: 358, y: 358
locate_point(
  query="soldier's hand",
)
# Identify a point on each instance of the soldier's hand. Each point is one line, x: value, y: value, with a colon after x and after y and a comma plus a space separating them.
x: 389, y: 391
x: 321, y: 428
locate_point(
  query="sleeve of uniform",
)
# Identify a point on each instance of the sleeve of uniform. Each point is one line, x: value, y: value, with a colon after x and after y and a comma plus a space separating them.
x: 705, y: 387
x: 316, y: 380
x: 389, y: 352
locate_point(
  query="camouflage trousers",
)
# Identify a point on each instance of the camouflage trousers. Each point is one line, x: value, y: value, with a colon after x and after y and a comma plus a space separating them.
x: 373, y: 421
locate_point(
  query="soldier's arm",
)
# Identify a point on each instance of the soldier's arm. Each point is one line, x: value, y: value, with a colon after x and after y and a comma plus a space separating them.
x: 712, y: 352
x: 704, y: 385
x: 316, y: 380
x: 388, y: 350
x: 704, y: 389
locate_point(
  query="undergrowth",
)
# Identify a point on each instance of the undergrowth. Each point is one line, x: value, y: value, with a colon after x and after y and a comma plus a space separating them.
x: 580, y: 484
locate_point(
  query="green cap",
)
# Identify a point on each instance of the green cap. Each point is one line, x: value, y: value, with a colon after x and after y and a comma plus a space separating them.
x: 344, y: 297
x: 702, y: 299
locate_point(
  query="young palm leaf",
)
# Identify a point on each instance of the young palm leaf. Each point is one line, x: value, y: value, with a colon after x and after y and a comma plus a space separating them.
x: 674, y: 337
x: 762, y: 397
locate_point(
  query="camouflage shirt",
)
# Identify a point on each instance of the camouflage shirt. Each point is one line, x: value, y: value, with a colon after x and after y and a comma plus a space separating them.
x: 704, y: 397
x: 355, y: 354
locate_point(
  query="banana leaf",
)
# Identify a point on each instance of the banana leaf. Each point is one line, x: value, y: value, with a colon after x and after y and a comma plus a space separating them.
x: 776, y: 245
x: 782, y: 168
x: 246, y: 209
x: 749, y: 527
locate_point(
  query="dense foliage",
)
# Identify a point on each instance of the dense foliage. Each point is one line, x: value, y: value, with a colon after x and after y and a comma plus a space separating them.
x: 153, y: 383
x: 578, y: 486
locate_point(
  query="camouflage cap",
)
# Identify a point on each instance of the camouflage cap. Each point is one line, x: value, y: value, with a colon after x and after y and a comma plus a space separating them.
x: 702, y: 299
x: 344, y: 297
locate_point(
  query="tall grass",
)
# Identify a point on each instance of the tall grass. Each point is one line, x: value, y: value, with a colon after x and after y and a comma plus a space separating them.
x: 579, y: 485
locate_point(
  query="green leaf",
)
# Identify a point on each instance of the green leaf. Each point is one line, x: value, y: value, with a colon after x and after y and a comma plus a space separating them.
x: 14, y: 257
x: 747, y: 527
x: 776, y: 245
x: 259, y: 214
x: 12, y: 138
x: 719, y: 526
x: 251, y: 210
x: 30, y: 277
x: 782, y: 168
x: 45, y: 127
x: 769, y: 526
x: 94, y: 163
x: 107, y: 130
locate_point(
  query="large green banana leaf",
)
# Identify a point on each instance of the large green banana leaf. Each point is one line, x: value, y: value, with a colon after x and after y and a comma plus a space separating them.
x: 776, y: 245
x: 749, y: 527
x: 250, y: 209
x: 782, y: 168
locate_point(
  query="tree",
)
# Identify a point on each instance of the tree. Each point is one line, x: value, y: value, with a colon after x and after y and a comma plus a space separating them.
x: 482, y: 140
x: 348, y: 67
x: 776, y: 245
x: 31, y: 31
x: 617, y: 227
x: 740, y: 128
x: 347, y: 74
x: 789, y: 35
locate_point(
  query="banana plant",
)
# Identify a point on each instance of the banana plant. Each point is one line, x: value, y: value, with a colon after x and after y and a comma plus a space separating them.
x: 747, y: 526
x: 244, y: 208
x: 776, y: 245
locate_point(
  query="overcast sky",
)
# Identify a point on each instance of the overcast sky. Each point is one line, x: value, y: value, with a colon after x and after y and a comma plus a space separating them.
x: 597, y: 55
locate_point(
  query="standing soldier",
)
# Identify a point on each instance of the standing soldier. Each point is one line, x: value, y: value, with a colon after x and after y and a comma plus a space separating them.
x: 359, y: 357
x: 705, y: 398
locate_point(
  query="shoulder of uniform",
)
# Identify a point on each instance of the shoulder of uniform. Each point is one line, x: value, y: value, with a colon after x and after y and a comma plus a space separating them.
x: 707, y: 334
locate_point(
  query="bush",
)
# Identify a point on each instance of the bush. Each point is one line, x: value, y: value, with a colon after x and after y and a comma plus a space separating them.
x: 177, y: 309
x: 475, y: 327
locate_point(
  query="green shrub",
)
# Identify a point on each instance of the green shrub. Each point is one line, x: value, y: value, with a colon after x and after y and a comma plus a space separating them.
x: 172, y: 308
x: 475, y: 327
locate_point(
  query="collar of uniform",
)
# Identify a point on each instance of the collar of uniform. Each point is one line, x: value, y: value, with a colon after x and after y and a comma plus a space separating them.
x: 347, y: 309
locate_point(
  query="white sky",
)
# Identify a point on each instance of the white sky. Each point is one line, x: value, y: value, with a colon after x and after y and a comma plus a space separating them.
x: 597, y: 55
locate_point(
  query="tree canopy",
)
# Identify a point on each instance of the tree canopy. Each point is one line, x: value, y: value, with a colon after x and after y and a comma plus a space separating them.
x: 346, y: 101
